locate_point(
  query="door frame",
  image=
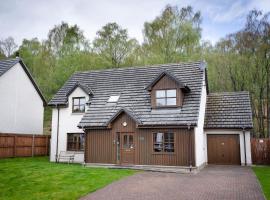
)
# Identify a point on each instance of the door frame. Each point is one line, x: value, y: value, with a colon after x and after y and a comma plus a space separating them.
x: 119, y: 136
x: 241, y: 140
x: 237, y: 147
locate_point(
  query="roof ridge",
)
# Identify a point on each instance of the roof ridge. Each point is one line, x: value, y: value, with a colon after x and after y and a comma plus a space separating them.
x: 142, y: 66
x: 235, y: 92
x: 10, y: 59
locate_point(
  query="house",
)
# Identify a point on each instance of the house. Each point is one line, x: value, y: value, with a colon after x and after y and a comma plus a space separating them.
x: 21, y: 101
x: 153, y: 115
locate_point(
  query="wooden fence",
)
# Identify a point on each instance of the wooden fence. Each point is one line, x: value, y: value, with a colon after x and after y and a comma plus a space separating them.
x: 260, y: 150
x: 22, y: 145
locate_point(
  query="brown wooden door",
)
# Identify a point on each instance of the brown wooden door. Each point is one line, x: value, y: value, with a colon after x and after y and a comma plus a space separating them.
x: 127, y: 144
x: 223, y: 149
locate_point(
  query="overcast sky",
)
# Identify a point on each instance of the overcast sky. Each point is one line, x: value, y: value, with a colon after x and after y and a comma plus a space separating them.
x: 33, y: 18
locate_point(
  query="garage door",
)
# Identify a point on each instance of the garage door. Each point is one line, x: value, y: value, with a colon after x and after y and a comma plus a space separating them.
x: 223, y: 149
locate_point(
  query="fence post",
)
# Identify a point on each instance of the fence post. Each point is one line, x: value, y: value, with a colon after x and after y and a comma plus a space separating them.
x: 33, y: 145
x: 47, y: 145
x: 14, y: 147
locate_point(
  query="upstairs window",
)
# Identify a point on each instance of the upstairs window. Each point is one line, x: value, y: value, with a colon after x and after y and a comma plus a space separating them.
x: 78, y: 104
x: 75, y: 142
x: 163, y: 142
x: 166, y: 97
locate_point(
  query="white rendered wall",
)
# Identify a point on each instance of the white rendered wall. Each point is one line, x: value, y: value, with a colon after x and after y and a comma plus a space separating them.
x: 200, y: 147
x: 68, y: 123
x: 242, y: 147
x: 21, y: 108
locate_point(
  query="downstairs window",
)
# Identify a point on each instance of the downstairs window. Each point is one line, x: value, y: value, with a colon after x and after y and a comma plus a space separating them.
x: 75, y: 142
x: 163, y: 142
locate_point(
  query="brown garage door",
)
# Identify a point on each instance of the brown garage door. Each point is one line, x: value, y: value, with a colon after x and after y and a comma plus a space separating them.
x: 223, y: 149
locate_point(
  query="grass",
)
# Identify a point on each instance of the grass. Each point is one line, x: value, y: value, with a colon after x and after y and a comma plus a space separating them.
x: 37, y: 178
x: 263, y: 175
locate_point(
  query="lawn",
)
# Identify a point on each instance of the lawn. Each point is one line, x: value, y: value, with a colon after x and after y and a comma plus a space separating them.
x: 37, y: 178
x: 263, y: 175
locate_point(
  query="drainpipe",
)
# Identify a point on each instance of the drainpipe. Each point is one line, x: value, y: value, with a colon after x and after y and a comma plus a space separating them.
x: 244, y: 135
x: 56, y: 153
x: 189, y: 145
x: 85, y: 143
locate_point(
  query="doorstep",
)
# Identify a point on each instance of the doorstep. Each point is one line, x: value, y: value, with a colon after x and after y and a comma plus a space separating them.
x: 153, y: 168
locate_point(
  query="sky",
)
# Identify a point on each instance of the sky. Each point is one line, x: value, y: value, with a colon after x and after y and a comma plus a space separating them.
x: 34, y: 18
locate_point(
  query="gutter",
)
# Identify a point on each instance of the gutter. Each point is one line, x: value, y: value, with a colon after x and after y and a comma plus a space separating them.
x: 189, y: 149
x: 244, y: 135
x: 56, y: 152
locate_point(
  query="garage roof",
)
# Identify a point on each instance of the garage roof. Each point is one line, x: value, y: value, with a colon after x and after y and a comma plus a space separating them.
x: 228, y: 110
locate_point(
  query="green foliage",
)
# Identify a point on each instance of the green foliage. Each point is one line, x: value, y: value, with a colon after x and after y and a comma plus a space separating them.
x: 65, y: 39
x: 37, y: 178
x: 172, y: 36
x: 113, y: 44
x: 263, y: 175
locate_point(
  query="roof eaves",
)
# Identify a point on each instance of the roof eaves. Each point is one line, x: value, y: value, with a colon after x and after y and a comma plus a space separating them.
x: 85, y: 88
x: 129, y: 113
x: 33, y: 81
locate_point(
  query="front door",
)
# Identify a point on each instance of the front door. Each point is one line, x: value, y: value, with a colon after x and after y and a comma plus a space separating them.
x: 127, y: 148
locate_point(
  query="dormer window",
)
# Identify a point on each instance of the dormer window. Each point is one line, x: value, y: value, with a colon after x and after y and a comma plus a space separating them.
x: 166, y: 97
x: 78, y: 104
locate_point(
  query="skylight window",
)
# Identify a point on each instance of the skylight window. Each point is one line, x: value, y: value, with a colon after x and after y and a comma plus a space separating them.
x: 113, y: 99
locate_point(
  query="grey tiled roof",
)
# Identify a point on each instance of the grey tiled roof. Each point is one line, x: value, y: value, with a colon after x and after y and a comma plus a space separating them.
x: 5, y: 65
x: 228, y: 110
x: 130, y: 84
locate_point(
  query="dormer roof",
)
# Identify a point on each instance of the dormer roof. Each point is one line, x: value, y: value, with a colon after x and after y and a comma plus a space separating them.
x: 171, y: 76
x: 84, y: 87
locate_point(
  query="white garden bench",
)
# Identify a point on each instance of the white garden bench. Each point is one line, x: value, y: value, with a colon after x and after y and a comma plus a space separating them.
x: 66, y: 156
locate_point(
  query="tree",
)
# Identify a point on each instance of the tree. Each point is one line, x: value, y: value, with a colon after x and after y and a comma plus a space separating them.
x: 243, y: 64
x: 8, y: 46
x: 113, y: 43
x: 65, y: 39
x: 176, y: 32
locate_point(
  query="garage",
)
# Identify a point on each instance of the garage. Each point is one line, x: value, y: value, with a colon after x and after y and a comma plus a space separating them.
x: 223, y: 149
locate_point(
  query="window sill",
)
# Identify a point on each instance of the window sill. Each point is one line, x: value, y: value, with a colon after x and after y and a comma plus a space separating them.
x: 78, y: 113
x: 76, y: 152
x: 161, y: 107
x: 164, y: 153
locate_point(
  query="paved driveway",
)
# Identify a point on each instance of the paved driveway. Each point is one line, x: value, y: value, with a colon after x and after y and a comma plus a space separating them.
x: 213, y: 182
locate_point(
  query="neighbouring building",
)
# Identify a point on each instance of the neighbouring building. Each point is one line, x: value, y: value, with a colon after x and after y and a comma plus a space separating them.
x: 152, y: 115
x: 21, y: 101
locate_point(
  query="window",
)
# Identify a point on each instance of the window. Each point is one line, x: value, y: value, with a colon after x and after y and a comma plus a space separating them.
x: 75, y: 142
x: 163, y: 142
x: 113, y: 99
x: 166, y: 97
x: 128, y: 142
x: 78, y: 104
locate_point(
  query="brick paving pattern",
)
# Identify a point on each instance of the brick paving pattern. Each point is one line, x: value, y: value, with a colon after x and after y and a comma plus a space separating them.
x: 213, y: 182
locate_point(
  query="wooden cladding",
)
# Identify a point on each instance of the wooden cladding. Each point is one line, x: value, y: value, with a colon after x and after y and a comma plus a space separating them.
x: 260, y: 151
x: 166, y: 83
x: 101, y: 145
x: 223, y: 149
x: 19, y: 145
